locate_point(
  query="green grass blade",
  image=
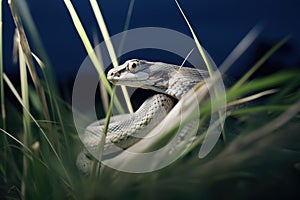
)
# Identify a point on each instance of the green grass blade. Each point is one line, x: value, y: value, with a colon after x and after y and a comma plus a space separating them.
x: 31, y: 153
x: 97, y: 164
x: 109, y: 45
x: 14, y: 91
x: 2, y: 96
x: 86, y: 43
x: 267, y: 129
x: 259, y: 63
x: 83, y: 36
x: 16, y: 140
x: 257, y: 109
x: 259, y: 84
x: 25, y: 95
x: 104, y: 32
x: 56, y: 108
x: 3, y: 114
x: 26, y: 121
x: 103, y: 92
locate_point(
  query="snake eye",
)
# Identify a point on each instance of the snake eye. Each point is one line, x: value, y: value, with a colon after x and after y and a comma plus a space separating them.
x: 132, y: 66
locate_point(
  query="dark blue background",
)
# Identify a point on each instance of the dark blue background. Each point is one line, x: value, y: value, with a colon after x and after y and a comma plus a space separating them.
x: 220, y: 25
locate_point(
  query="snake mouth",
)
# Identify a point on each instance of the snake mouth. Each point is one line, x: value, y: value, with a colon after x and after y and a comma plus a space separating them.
x: 139, y: 79
x: 127, y: 76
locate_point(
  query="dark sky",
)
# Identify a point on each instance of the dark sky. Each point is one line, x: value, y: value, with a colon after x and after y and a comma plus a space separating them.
x: 220, y: 25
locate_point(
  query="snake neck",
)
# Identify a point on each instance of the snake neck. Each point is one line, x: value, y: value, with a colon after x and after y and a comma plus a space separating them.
x: 182, y: 81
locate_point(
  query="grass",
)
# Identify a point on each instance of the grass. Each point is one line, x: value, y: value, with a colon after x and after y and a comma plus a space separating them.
x: 1, y: 71
x: 260, y: 157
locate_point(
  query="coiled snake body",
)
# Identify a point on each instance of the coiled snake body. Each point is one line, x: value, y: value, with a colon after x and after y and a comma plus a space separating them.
x: 170, y: 81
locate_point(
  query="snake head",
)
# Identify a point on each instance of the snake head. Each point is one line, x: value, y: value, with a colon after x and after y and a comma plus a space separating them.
x: 141, y: 74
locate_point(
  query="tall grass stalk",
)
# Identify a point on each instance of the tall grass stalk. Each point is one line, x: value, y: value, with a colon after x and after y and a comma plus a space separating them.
x: 104, y: 31
x: 103, y: 93
x: 90, y: 51
x: 96, y: 163
x: 110, y: 48
x: 199, y: 46
x: 28, y: 58
x: 45, y: 66
x: 208, y: 66
x: 26, y: 120
x: 3, y: 114
x: 2, y: 95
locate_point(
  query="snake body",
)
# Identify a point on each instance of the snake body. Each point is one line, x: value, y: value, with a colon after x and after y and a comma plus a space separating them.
x: 170, y: 81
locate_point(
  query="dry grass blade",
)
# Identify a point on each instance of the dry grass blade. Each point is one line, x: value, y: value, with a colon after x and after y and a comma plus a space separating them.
x: 43, y: 61
x: 187, y: 56
x: 110, y: 47
x: 267, y: 129
x: 199, y: 46
x: 126, y: 26
x: 259, y: 63
x: 238, y: 151
x: 251, y: 98
x: 213, y: 75
x: 27, y: 52
x: 38, y: 60
x: 240, y: 49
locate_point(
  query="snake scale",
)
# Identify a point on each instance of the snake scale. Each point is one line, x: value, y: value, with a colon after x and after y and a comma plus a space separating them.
x: 170, y: 81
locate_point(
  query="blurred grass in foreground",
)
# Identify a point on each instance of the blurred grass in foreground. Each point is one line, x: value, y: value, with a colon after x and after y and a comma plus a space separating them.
x: 260, y: 158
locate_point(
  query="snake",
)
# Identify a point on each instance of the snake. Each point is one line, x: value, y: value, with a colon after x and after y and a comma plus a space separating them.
x: 170, y: 82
